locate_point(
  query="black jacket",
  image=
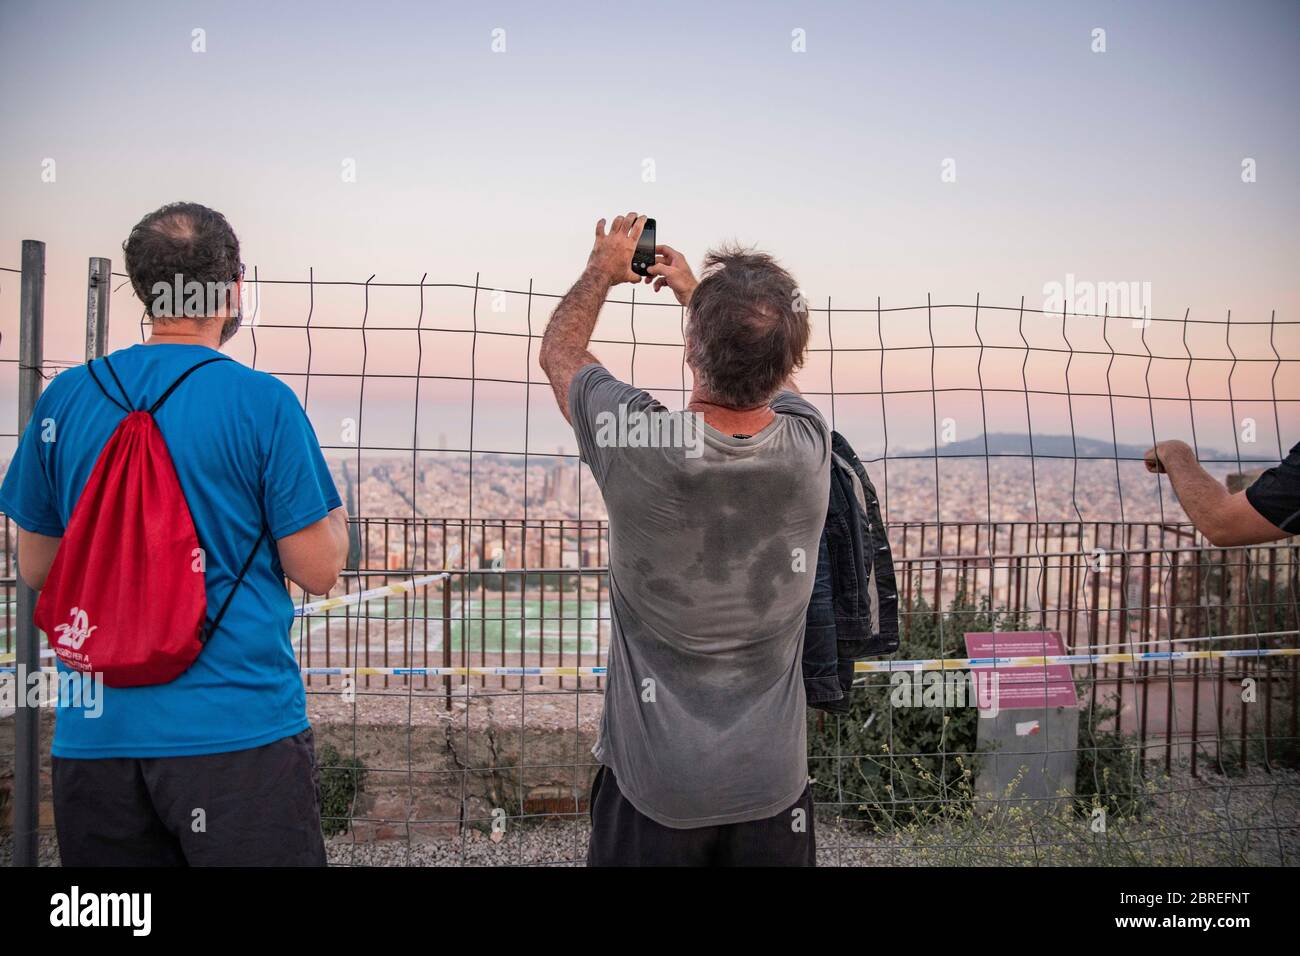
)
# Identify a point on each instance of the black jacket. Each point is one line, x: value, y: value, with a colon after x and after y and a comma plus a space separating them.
x: 853, y: 613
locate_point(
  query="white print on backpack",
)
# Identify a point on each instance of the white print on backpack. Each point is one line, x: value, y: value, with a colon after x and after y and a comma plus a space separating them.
x: 74, y: 634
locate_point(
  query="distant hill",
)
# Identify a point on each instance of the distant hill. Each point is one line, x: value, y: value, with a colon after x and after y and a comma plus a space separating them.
x: 1062, y: 446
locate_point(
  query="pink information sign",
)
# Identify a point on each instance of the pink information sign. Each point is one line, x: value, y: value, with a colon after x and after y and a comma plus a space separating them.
x: 1023, y: 687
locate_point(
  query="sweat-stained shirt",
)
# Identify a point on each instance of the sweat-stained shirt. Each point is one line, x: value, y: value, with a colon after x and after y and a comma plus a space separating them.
x: 713, y: 550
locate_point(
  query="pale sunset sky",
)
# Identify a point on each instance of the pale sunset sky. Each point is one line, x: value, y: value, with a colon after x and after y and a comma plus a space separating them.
x: 884, y: 152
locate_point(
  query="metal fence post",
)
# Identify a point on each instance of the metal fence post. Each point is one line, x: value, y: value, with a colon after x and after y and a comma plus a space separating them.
x: 27, y: 719
x: 97, y: 288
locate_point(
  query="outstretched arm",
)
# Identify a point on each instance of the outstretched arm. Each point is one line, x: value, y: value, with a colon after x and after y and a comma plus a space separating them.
x: 564, y: 344
x: 1225, y: 519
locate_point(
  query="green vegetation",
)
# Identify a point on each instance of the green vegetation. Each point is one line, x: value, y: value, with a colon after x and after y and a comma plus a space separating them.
x: 904, y: 765
x: 1110, y: 775
x: 342, y: 781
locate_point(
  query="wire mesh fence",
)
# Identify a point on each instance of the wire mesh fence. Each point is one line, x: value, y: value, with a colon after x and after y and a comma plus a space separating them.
x: 456, y: 716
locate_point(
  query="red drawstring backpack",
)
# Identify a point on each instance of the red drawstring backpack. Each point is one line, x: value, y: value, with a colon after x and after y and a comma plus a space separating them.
x: 125, y: 596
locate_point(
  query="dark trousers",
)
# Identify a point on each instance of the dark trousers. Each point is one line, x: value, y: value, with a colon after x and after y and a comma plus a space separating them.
x: 257, y: 807
x: 621, y: 835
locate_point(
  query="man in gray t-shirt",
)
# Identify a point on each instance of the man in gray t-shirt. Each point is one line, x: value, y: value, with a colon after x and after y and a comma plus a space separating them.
x: 715, y: 517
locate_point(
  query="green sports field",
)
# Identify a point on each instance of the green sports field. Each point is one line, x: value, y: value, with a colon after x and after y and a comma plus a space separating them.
x: 493, y: 623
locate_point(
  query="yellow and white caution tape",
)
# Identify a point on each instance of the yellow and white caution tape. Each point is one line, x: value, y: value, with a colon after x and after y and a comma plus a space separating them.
x: 388, y: 590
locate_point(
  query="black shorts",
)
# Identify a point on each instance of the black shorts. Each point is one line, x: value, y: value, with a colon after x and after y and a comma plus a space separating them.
x: 621, y: 835
x: 257, y: 807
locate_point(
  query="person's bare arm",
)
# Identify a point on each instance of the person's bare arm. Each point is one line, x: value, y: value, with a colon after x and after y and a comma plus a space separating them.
x: 314, y: 556
x: 1226, y: 519
x: 35, y: 557
x: 564, y: 345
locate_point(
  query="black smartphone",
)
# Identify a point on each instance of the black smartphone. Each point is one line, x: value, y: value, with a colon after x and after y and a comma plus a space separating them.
x: 644, y: 257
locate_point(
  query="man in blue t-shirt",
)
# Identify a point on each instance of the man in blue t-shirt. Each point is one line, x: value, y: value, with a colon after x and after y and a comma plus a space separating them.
x: 216, y: 767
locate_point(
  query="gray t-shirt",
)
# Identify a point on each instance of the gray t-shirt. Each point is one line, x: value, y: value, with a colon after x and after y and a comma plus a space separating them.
x: 713, y: 549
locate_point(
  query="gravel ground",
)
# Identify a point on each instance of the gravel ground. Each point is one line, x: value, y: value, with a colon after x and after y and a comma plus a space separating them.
x: 1252, y: 820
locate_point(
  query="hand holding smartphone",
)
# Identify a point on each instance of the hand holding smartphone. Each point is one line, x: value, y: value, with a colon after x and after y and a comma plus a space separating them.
x: 644, y: 256
x: 671, y: 270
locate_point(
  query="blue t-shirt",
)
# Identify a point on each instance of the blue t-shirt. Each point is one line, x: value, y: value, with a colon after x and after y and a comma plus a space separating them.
x: 244, y: 452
